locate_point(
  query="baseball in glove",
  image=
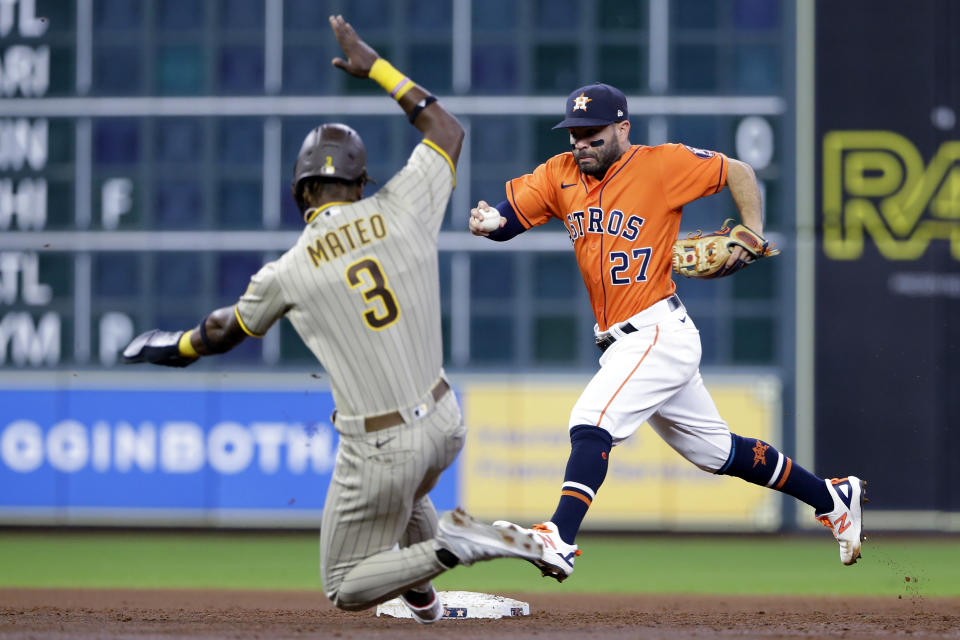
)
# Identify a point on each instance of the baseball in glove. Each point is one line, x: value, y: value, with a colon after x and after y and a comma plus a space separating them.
x: 704, y: 256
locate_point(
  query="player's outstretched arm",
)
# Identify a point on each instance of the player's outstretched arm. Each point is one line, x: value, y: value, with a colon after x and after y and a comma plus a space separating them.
x: 427, y: 115
x: 218, y: 332
x: 742, y: 182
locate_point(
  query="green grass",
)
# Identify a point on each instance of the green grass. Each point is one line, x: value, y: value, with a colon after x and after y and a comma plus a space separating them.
x: 160, y: 560
x: 743, y: 565
x: 805, y: 565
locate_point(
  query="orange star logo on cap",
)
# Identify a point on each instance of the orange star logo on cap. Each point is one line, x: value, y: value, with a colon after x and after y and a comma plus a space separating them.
x: 580, y: 102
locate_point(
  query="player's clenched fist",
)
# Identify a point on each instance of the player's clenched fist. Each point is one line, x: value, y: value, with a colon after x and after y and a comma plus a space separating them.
x: 484, y: 219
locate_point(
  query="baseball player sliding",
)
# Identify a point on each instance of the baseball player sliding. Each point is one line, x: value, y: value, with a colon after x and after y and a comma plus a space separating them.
x: 361, y: 288
x: 621, y: 205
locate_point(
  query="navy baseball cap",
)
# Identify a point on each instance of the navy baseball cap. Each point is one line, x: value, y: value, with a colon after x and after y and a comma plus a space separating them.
x: 594, y: 105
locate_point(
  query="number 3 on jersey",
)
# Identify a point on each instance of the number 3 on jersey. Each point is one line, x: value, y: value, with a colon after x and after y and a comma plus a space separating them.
x: 368, y: 272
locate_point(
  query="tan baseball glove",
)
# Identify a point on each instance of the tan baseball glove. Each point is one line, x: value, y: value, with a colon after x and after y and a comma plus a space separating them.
x: 704, y: 256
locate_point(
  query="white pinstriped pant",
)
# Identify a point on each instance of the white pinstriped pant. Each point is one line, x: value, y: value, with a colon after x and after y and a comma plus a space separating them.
x: 378, y: 500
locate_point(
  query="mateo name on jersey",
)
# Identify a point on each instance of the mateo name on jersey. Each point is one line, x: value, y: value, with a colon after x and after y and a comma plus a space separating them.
x: 598, y: 222
x: 347, y: 237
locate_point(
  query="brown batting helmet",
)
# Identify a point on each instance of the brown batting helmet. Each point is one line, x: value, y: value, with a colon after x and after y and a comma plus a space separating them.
x: 331, y: 151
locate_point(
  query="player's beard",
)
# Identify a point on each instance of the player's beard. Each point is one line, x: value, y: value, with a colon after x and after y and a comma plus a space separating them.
x: 604, y: 157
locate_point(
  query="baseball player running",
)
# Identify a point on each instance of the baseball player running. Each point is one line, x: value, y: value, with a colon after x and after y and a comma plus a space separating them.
x: 621, y: 205
x: 361, y: 287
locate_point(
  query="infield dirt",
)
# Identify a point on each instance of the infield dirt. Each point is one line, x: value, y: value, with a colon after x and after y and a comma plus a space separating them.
x: 49, y: 613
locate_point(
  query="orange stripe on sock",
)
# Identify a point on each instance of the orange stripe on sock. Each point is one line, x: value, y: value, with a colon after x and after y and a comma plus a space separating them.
x: 786, y: 473
x: 576, y: 495
x: 657, y: 335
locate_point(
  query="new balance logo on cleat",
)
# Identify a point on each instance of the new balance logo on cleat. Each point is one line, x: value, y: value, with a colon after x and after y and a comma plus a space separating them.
x: 840, y: 524
x: 843, y: 488
x: 846, y: 518
x: 557, y: 557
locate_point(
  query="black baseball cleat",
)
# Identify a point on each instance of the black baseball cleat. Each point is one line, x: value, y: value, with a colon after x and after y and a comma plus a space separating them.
x: 428, y: 613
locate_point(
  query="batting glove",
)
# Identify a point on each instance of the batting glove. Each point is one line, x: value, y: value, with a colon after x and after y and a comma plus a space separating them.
x: 157, y: 347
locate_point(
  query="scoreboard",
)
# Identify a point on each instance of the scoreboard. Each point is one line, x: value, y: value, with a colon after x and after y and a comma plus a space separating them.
x: 133, y: 191
x: 35, y: 184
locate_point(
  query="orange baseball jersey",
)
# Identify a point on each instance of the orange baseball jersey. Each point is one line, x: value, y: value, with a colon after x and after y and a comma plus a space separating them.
x: 622, y: 227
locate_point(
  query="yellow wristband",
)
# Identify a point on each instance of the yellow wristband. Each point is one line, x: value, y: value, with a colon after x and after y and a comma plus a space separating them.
x: 186, y: 349
x: 392, y: 81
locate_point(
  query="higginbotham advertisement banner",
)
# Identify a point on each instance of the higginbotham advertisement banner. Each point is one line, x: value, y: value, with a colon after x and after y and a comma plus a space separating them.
x: 169, y: 456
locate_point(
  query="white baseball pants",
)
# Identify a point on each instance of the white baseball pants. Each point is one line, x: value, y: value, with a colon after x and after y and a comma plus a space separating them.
x: 653, y: 375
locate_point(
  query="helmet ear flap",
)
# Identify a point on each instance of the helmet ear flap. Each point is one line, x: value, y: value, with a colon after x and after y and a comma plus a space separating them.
x: 296, y: 196
x: 297, y: 189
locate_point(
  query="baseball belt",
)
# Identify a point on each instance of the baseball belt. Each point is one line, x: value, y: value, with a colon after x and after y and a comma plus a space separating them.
x: 604, y: 343
x: 392, y: 419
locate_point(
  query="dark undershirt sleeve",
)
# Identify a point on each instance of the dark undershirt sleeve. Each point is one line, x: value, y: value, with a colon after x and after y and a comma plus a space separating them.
x: 513, y: 226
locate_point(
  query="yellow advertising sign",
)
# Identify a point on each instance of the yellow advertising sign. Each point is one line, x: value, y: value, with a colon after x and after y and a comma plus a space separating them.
x: 517, y: 447
x: 876, y: 184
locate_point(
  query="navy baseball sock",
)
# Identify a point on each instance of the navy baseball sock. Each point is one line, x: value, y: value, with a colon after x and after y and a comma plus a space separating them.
x: 586, y: 468
x: 757, y: 462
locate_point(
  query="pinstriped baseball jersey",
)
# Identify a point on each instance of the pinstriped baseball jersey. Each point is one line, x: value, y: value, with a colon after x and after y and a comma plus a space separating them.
x: 361, y: 287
